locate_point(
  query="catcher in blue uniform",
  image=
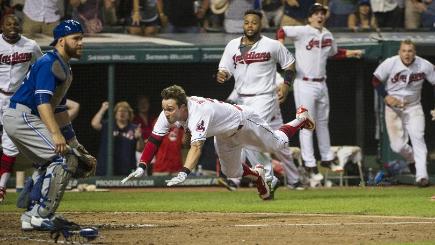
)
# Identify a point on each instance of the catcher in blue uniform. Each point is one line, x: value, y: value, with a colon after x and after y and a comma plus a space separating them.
x: 38, y: 124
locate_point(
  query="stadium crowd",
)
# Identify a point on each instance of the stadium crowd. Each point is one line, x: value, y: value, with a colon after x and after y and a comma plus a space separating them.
x: 148, y: 17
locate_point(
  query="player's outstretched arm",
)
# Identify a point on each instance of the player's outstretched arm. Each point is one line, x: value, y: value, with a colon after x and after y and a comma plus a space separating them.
x: 191, y: 162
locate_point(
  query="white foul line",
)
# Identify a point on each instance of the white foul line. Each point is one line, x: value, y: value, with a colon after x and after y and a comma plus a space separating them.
x: 340, y: 224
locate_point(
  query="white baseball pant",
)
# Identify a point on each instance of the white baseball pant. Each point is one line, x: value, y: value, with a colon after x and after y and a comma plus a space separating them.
x: 255, y: 135
x: 402, y: 125
x: 8, y: 146
x: 314, y: 96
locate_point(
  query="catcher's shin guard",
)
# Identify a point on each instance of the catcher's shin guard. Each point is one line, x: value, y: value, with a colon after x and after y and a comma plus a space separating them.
x: 54, y: 183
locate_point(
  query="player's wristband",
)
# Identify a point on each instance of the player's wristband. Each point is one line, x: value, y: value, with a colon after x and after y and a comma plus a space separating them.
x: 142, y: 165
x: 68, y: 132
x: 185, y: 170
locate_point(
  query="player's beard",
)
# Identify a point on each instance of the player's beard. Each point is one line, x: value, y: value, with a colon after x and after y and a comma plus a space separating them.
x: 73, y: 52
x: 253, y: 37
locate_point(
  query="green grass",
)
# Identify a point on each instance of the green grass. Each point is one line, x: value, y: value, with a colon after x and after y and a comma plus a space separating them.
x: 402, y: 201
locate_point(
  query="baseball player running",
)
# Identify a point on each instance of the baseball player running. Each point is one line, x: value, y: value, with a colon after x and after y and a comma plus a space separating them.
x: 252, y: 60
x: 314, y: 44
x: 38, y: 124
x: 17, y: 53
x: 399, y: 80
x: 234, y: 128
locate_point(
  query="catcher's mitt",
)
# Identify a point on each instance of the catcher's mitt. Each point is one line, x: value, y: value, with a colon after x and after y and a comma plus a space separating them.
x: 87, y: 163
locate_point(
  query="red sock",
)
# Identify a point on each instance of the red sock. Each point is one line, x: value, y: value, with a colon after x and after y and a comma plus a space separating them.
x: 7, y: 162
x: 288, y: 130
x: 248, y: 172
x: 292, y: 127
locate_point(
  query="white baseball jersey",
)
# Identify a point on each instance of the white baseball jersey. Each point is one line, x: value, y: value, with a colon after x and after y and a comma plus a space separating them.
x: 312, y: 49
x: 206, y: 118
x: 254, y: 72
x: 405, y: 82
x: 15, y: 60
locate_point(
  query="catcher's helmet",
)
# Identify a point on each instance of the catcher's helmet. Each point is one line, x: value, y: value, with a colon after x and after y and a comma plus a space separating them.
x: 317, y: 7
x: 65, y: 28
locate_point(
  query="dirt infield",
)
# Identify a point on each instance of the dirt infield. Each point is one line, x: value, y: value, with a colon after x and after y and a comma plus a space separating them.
x: 234, y: 228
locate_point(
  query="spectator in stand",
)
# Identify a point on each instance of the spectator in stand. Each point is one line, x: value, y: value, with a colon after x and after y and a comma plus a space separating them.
x: 183, y: 16
x: 387, y: 13
x: 428, y: 16
x: 169, y: 160
x: 5, y: 8
x: 295, y: 12
x: 94, y: 14
x: 41, y: 16
x: 413, y: 12
x: 216, y: 15
x: 339, y: 11
x: 233, y: 22
x: 363, y: 18
x: 145, y: 120
x: 145, y: 17
x: 127, y: 139
x: 273, y: 11
x: 144, y: 117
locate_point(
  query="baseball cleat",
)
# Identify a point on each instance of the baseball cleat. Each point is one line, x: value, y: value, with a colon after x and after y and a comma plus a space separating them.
x: 273, y: 185
x: 262, y: 187
x: 302, y: 114
x: 227, y: 183
x: 315, y: 180
x: 296, y: 186
x: 2, y: 194
x: 37, y: 223
x: 423, y: 182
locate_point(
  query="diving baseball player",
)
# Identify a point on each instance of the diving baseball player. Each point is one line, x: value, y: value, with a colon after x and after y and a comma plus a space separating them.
x: 314, y: 44
x: 399, y: 80
x: 234, y: 128
x: 38, y: 124
x: 17, y: 53
x: 252, y: 60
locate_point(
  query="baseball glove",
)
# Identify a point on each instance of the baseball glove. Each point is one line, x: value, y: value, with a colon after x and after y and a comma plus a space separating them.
x: 87, y: 163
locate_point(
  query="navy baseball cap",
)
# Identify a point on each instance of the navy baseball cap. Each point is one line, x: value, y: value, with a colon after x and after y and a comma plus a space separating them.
x: 316, y: 7
x: 65, y: 28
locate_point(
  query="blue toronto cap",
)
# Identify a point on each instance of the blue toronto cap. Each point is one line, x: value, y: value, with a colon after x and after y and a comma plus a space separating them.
x: 65, y: 28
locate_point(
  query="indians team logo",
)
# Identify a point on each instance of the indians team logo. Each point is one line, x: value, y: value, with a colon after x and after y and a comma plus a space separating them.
x: 412, y: 78
x: 200, y: 126
x: 327, y: 42
x: 15, y: 58
x: 251, y: 57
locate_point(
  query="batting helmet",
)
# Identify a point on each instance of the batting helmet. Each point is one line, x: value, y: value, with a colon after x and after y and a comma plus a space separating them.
x: 65, y: 28
x: 317, y: 7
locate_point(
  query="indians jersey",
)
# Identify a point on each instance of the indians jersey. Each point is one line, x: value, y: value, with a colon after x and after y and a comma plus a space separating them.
x: 15, y: 60
x: 49, y: 75
x: 206, y: 118
x: 313, y: 47
x: 254, y: 71
x: 405, y: 82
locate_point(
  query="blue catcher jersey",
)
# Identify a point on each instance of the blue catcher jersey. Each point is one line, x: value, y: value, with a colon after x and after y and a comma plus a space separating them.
x: 50, y: 75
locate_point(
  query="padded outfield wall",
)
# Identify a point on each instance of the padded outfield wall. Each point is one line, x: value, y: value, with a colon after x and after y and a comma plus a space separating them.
x: 122, y: 69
